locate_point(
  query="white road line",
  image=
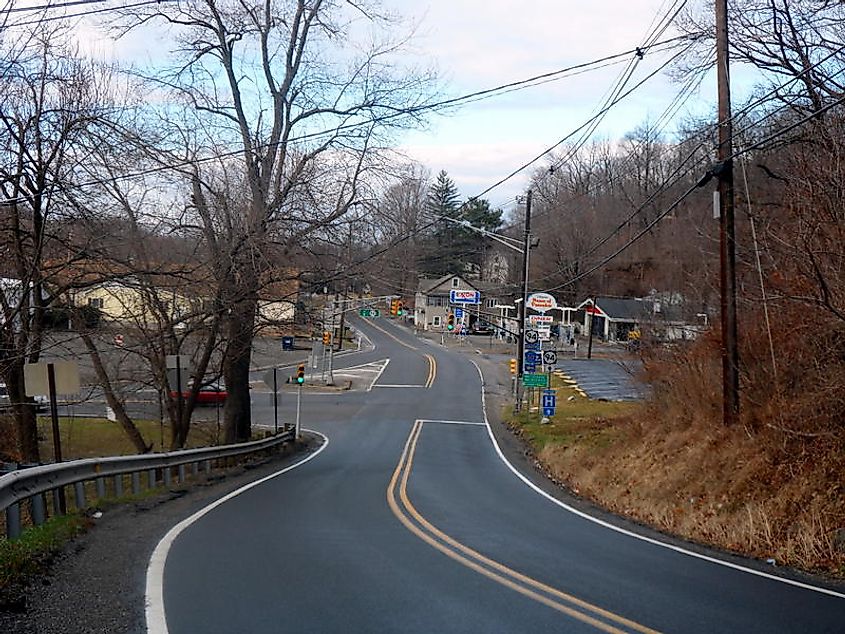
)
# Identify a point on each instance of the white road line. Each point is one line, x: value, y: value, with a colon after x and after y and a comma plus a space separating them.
x: 453, y: 422
x: 154, y: 599
x: 396, y: 385
x: 378, y: 376
x: 618, y: 529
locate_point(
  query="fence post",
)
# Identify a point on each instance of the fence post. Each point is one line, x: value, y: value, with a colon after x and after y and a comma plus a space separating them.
x: 136, y: 483
x: 118, y: 486
x: 79, y: 495
x: 101, y: 488
x: 39, y: 509
x: 13, y: 520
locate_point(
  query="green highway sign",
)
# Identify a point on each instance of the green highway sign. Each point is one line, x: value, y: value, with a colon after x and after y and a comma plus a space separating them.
x: 535, y: 380
x: 369, y: 312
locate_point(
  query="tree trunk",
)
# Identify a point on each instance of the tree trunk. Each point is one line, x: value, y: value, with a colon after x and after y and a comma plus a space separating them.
x: 26, y: 422
x: 111, y: 398
x: 237, y: 414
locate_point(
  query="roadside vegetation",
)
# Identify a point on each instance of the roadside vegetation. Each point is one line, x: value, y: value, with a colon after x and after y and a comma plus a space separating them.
x: 759, y: 491
x: 31, y: 555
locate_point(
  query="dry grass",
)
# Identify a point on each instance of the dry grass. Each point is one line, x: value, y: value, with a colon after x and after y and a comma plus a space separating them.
x: 754, y: 489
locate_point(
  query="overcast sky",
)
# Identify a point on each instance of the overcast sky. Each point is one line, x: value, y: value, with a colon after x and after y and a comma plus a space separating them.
x: 477, y: 44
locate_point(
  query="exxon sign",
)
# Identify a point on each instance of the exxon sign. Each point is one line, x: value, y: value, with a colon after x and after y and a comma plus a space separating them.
x: 464, y: 297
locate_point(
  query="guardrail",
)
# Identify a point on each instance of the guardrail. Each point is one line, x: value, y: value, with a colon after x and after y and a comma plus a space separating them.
x: 34, y: 482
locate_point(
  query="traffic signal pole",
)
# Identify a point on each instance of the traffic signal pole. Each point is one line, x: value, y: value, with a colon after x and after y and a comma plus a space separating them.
x: 520, y: 343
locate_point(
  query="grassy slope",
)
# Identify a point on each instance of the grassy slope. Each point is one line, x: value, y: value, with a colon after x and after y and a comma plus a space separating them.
x: 717, y: 486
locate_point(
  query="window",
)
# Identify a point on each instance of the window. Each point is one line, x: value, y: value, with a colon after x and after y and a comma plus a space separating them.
x: 454, y: 282
x: 490, y: 303
x: 95, y: 302
x: 436, y: 321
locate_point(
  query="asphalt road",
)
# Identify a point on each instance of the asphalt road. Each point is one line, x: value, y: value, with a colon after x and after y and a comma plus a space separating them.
x: 410, y: 520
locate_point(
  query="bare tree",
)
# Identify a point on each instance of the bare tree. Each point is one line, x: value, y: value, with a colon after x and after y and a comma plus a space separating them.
x: 287, y: 85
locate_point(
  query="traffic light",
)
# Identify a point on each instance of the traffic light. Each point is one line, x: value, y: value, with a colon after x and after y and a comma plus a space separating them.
x: 394, y: 307
x: 300, y: 373
x: 450, y: 321
x: 399, y: 308
x: 327, y: 337
x: 513, y: 366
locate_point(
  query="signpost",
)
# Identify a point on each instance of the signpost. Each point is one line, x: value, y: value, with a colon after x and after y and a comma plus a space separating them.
x: 50, y: 379
x: 271, y: 380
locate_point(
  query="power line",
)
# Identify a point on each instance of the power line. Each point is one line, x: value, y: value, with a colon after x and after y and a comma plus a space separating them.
x: 81, y: 14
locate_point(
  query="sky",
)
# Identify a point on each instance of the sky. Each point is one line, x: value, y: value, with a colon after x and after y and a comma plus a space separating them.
x: 479, y: 44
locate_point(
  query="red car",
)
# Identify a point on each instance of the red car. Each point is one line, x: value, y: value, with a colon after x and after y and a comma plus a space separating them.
x: 208, y: 395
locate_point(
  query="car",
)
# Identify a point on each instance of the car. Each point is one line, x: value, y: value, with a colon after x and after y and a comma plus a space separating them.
x: 482, y: 329
x: 211, y: 394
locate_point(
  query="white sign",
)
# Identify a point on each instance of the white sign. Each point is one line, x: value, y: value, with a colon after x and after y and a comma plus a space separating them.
x: 540, y: 319
x: 464, y: 297
x: 531, y: 336
x: 36, y: 382
x: 549, y: 357
x: 545, y: 332
x: 541, y: 302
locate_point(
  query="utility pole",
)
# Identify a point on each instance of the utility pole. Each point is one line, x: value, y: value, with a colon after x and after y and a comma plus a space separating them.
x: 520, y: 343
x: 727, y: 229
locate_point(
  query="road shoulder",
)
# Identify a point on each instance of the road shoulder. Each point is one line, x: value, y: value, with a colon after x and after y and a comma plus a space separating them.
x: 97, y: 583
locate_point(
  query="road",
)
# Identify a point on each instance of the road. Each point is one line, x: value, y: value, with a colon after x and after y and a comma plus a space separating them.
x: 410, y: 520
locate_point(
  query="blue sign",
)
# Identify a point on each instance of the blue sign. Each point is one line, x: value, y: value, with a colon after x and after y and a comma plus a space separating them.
x: 459, y: 312
x: 531, y: 356
x: 533, y: 346
x: 287, y: 343
x: 548, y: 411
x: 529, y: 367
x: 464, y: 297
x: 549, y: 402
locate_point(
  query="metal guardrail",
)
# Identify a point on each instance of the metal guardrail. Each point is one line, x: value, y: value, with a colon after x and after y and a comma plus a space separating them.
x: 32, y: 483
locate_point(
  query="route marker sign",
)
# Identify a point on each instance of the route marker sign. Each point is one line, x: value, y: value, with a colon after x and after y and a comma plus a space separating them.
x: 532, y: 336
x: 369, y: 312
x: 535, y: 380
x: 549, y: 357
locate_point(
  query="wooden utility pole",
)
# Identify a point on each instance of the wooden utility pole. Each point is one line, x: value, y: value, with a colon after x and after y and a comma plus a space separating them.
x: 520, y: 343
x: 727, y: 230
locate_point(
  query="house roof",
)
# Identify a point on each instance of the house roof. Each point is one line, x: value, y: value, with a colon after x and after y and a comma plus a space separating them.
x: 428, y: 284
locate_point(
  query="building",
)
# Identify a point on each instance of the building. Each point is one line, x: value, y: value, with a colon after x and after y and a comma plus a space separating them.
x: 432, y: 302
x: 615, y: 318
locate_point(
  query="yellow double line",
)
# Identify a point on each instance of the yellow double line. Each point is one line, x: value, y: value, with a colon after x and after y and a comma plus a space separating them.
x: 566, y: 603
x: 432, y: 364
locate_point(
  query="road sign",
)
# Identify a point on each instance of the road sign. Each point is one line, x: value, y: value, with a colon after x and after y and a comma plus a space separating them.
x: 544, y: 332
x: 548, y: 411
x: 531, y: 356
x: 269, y: 381
x: 532, y: 345
x: 287, y: 343
x: 459, y: 312
x: 540, y: 319
x: 36, y: 381
x: 549, y: 357
x: 369, y: 312
x: 549, y: 400
x: 541, y: 302
x: 532, y: 336
x: 464, y: 297
x: 535, y: 380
